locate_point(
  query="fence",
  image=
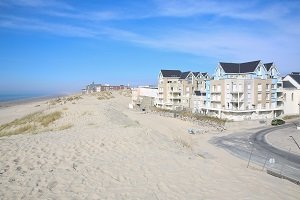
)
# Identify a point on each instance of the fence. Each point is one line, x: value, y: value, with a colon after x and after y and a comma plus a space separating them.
x: 287, y: 167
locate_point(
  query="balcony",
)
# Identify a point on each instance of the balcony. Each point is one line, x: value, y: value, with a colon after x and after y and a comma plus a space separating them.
x: 175, y: 91
x: 237, y: 100
x: 175, y: 97
x: 236, y: 91
x: 215, y: 100
x: 215, y: 92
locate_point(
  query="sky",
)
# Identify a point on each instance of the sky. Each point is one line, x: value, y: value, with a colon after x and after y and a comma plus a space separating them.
x: 60, y: 46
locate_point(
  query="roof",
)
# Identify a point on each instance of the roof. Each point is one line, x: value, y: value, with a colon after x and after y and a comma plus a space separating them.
x: 204, y: 73
x: 184, y: 75
x: 268, y: 66
x: 239, y: 67
x: 296, y: 77
x: 171, y: 73
x: 287, y: 84
x: 196, y: 73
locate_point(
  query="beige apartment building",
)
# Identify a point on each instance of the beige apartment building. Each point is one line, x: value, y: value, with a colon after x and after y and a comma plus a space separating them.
x: 176, y: 88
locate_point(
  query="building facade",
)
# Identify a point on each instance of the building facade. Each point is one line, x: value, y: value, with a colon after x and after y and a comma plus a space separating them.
x: 91, y: 88
x: 240, y: 91
x: 144, y: 97
x: 176, y: 88
x: 291, y: 90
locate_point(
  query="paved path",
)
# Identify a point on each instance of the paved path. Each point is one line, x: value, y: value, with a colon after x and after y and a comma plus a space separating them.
x: 242, y: 143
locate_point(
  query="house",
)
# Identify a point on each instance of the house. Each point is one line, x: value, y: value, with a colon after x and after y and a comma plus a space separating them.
x: 291, y: 90
x: 240, y: 91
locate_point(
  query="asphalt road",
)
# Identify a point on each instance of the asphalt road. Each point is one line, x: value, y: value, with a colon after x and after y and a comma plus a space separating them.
x: 241, y: 144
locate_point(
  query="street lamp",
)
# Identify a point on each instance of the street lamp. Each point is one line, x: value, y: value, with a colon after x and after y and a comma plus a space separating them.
x: 298, y: 127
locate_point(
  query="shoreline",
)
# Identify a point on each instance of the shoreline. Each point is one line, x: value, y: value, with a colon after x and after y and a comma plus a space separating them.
x: 6, y: 104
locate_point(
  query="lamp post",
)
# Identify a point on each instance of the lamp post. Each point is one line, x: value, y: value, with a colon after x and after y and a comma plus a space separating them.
x: 298, y: 127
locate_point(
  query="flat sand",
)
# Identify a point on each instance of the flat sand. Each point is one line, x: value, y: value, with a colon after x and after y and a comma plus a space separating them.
x: 111, y: 152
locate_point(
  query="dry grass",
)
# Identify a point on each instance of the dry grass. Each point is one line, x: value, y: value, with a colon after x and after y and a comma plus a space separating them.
x: 64, y: 100
x: 103, y: 95
x: 290, y: 117
x: 183, y: 143
x: 45, y: 120
x: 66, y: 126
x: 29, y: 123
x: 125, y: 92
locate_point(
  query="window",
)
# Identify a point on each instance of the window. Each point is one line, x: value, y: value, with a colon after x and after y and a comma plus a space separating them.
x: 234, y: 87
x: 227, y: 87
x: 259, y: 87
x: 259, y: 97
x: 171, y: 88
x: 219, y: 88
x: 240, y: 88
x: 268, y: 96
x: 292, y: 96
x: 249, y: 86
x: 268, y: 87
x: 273, y: 86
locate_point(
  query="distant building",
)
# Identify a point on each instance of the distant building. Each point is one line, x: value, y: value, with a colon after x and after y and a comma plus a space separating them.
x: 291, y: 90
x: 91, y: 88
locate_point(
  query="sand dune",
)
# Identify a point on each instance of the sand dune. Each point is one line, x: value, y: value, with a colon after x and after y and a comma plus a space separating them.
x: 111, y: 152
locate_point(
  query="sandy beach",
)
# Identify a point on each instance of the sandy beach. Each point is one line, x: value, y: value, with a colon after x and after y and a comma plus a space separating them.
x: 100, y: 149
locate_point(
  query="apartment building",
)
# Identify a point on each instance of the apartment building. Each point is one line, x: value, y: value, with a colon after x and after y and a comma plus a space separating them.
x: 240, y: 91
x: 91, y: 88
x: 291, y: 93
x: 176, y: 88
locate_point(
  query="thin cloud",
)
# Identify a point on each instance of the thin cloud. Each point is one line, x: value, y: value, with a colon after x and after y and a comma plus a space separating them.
x: 37, y: 4
x: 42, y: 26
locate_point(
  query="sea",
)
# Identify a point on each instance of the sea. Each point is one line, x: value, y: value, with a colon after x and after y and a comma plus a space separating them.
x: 27, y: 97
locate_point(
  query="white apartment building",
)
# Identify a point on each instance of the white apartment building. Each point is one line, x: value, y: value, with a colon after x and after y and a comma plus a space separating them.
x: 240, y: 91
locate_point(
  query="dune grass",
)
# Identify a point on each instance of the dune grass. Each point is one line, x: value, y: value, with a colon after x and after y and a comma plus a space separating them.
x: 64, y: 127
x: 29, y: 123
x: 286, y: 117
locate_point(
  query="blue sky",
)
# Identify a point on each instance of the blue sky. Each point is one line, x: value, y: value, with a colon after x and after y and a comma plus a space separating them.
x: 60, y: 46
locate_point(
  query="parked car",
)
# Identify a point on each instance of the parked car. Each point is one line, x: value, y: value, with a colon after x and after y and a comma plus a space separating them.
x: 277, y: 122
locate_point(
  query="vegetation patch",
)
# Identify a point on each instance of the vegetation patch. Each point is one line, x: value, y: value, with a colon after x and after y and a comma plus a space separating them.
x: 64, y: 100
x: 66, y: 126
x: 30, y: 123
x: 125, y: 92
x: 207, y: 120
x: 183, y: 143
x: 104, y: 95
x: 290, y: 117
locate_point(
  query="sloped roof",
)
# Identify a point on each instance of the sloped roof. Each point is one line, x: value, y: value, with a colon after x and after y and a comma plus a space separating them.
x: 287, y: 84
x: 171, y: 73
x: 196, y: 73
x: 204, y: 74
x: 296, y: 77
x: 184, y: 75
x: 239, y: 67
x: 268, y: 66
